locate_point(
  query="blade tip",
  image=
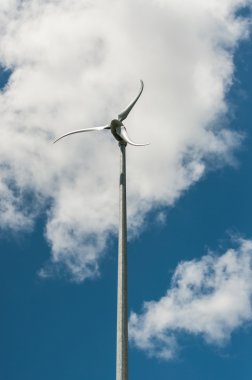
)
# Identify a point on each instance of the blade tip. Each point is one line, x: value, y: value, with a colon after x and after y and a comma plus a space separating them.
x: 56, y: 140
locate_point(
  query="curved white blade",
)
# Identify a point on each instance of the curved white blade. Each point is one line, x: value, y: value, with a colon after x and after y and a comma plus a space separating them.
x: 121, y: 131
x: 82, y: 130
x: 122, y: 116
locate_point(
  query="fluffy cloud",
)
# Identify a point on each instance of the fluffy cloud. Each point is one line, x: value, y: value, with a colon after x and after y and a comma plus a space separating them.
x: 209, y: 297
x: 77, y: 64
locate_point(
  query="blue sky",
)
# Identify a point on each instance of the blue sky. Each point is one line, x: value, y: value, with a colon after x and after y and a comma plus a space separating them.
x: 56, y: 325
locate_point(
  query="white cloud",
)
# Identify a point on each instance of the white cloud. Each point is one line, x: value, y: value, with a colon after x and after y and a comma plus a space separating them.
x: 210, y: 297
x: 77, y: 64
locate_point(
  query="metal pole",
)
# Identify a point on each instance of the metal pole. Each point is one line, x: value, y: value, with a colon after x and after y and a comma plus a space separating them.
x: 122, y: 304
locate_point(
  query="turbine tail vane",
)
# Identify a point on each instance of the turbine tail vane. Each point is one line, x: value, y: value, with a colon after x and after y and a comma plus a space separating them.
x: 122, y: 116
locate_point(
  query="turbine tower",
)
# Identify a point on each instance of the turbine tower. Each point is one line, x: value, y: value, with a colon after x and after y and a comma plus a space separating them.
x: 119, y: 131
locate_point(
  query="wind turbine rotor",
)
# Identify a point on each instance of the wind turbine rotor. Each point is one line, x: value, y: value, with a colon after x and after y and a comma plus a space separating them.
x: 116, y: 126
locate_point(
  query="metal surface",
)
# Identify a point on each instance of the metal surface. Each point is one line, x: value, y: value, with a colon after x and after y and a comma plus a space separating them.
x: 81, y: 131
x: 120, y: 133
x: 122, y: 303
x: 116, y: 126
x: 122, y: 116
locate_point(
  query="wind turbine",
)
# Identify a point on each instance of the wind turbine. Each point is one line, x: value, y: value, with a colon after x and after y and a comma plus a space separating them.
x: 119, y: 131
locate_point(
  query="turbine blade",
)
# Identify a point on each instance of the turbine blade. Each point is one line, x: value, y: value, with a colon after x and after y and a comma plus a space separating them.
x: 122, y: 116
x: 122, y: 132
x: 82, y: 130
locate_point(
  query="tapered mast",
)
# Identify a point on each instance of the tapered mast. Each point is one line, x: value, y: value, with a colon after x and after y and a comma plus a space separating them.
x: 122, y: 302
